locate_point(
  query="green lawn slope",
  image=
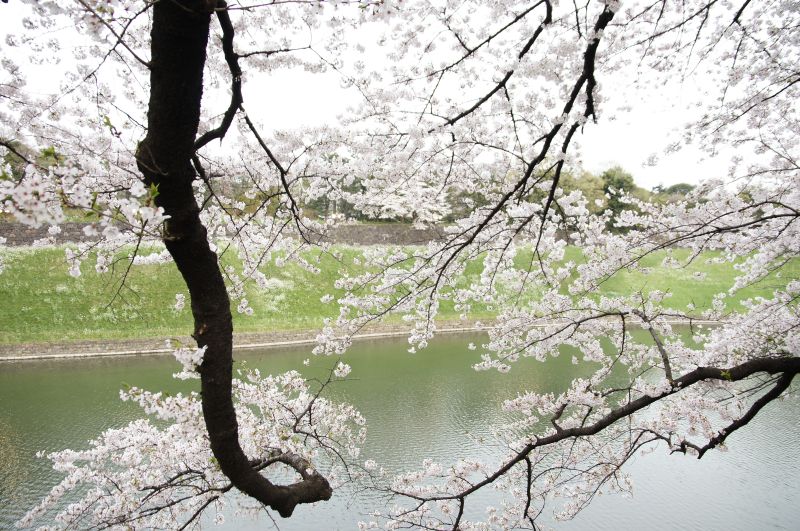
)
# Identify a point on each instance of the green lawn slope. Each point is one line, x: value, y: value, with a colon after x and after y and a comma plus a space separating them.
x: 42, y: 302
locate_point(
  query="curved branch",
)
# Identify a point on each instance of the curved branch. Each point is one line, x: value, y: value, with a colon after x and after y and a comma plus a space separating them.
x: 586, y: 77
x: 236, y: 78
x: 788, y: 367
x: 782, y: 385
x: 178, y: 38
x: 12, y: 149
x: 502, y: 83
x: 119, y: 37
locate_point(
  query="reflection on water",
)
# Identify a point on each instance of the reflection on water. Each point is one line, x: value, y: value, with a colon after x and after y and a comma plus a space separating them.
x: 430, y: 404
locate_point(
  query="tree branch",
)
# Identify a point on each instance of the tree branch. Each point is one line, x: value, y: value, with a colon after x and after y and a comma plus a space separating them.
x: 236, y: 78
x: 178, y: 39
x: 788, y: 366
x: 783, y: 383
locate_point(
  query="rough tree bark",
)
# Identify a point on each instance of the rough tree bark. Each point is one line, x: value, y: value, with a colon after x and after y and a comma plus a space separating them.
x: 179, y: 37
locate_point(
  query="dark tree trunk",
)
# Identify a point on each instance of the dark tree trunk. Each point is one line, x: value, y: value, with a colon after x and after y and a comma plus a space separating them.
x: 178, y: 52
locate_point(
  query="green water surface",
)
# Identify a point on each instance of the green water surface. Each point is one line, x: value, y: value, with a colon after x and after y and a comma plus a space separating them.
x: 430, y: 404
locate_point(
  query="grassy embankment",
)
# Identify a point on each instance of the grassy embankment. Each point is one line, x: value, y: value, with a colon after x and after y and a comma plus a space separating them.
x: 41, y: 302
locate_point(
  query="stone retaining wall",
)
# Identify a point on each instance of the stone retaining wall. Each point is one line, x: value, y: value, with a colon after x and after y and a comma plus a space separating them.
x: 17, y: 234
x: 385, y: 234
x: 127, y: 347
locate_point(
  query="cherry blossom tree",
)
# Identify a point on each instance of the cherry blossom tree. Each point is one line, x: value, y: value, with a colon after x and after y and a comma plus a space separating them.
x: 481, y: 98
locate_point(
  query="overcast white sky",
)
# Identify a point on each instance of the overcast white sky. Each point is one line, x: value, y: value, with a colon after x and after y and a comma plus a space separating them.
x: 628, y: 141
x: 301, y: 98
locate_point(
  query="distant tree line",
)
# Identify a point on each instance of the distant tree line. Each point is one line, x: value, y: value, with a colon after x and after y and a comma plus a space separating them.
x: 603, y: 192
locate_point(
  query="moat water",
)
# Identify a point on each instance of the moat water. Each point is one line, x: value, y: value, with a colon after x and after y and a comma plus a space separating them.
x: 430, y: 404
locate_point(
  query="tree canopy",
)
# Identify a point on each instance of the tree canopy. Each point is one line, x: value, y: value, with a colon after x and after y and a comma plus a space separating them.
x: 157, y: 115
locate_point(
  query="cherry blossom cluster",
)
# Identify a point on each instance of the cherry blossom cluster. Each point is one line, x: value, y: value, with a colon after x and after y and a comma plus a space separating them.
x: 159, y: 472
x: 473, y: 104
